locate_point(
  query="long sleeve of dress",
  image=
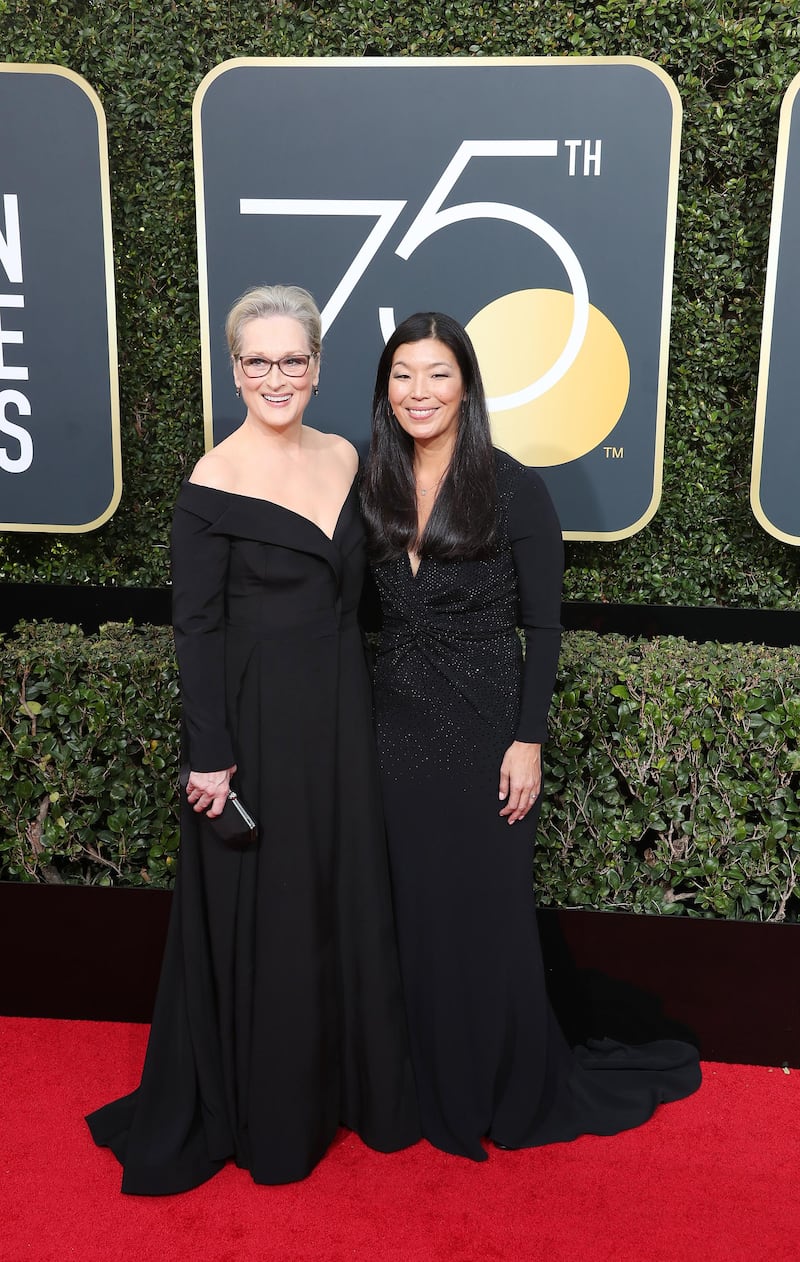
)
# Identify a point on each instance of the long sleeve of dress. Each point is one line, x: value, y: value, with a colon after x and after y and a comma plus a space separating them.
x: 538, y: 552
x: 199, y: 572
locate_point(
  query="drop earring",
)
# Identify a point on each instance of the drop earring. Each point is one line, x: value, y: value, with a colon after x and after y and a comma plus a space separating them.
x: 238, y: 392
x: 316, y: 390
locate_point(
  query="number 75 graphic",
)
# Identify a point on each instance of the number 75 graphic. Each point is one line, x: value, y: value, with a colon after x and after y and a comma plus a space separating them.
x: 431, y: 219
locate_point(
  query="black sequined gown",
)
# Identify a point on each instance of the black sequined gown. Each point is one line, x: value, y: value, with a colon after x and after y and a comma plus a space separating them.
x: 451, y: 694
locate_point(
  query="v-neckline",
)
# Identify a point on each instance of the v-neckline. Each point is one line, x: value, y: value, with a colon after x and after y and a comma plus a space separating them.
x: 315, y: 524
x: 414, y: 573
x: 259, y: 499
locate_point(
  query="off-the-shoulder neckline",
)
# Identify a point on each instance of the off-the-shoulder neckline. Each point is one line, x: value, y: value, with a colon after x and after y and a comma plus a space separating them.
x: 257, y: 499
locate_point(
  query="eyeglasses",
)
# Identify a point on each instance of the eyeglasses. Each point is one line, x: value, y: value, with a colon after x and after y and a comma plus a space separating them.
x: 289, y: 365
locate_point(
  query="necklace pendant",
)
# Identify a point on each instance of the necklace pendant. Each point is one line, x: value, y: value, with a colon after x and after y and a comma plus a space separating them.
x: 423, y: 490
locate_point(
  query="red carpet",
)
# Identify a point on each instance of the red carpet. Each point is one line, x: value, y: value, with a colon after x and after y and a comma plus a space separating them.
x: 713, y: 1177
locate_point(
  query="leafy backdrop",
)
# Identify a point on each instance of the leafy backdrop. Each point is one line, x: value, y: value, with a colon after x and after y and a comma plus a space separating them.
x: 672, y: 776
x: 732, y: 64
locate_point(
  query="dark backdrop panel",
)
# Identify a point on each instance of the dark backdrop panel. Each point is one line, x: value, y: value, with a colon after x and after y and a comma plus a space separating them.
x: 88, y: 607
x: 85, y: 952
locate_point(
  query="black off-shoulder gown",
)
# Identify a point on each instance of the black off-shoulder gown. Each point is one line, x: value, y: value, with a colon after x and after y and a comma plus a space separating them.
x: 451, y: 694
x: 279, y: 1012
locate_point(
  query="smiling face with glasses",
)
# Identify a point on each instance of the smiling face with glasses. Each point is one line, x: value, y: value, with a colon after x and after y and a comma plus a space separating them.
x: 275, y: 371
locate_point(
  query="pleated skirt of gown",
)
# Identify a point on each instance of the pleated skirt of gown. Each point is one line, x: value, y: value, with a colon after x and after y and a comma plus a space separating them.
x: 279, y: 1012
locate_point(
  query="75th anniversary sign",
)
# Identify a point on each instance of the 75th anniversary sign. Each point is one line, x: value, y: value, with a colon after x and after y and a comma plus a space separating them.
x: 534, y: 200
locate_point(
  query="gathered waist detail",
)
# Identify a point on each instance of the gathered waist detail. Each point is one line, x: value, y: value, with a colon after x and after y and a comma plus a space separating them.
x: 400, y: 630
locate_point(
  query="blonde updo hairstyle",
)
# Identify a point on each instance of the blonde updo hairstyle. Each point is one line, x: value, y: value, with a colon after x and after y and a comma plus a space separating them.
x: 263, y: 301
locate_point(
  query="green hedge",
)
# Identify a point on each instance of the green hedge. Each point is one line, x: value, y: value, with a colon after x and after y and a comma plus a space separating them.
x: 88, y: 756
x: 673, y: 779
x: 731, y: 62
x: 672, y: 775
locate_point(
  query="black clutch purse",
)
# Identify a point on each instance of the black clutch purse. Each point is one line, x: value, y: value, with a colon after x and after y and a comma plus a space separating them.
x: 235, y: 825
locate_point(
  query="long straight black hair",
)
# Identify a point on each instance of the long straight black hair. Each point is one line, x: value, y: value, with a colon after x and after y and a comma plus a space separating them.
x: 462, y: 522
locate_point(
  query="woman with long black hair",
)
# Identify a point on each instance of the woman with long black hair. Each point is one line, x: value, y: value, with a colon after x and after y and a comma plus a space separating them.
x: 465, y: 548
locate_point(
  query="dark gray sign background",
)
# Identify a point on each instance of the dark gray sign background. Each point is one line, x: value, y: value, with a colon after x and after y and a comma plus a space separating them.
x: 368, y: 132
x: 780, y: 456
x: 50, y: 158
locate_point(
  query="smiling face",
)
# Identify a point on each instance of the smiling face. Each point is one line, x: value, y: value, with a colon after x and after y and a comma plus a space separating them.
x: 426, y: 390
x: 276, y: 400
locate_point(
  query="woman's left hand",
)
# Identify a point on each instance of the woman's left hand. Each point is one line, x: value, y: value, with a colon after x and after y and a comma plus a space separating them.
x: 520, y: 779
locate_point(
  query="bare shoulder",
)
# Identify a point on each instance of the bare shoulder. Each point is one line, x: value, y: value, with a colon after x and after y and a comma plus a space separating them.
x: 346, y: 452
x: 334, y: 447
x: 221, y: 468
x: 216, y: 469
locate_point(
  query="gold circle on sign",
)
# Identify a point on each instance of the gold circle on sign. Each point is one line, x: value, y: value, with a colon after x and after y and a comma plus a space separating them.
x: 517, y: 338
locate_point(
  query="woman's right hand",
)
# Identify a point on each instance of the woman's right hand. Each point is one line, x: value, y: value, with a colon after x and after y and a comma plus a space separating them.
x: 208, y: 790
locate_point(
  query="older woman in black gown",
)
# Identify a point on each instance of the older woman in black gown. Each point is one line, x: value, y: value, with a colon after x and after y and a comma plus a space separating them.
x: 279, y: 1013
x: 466, y: 548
